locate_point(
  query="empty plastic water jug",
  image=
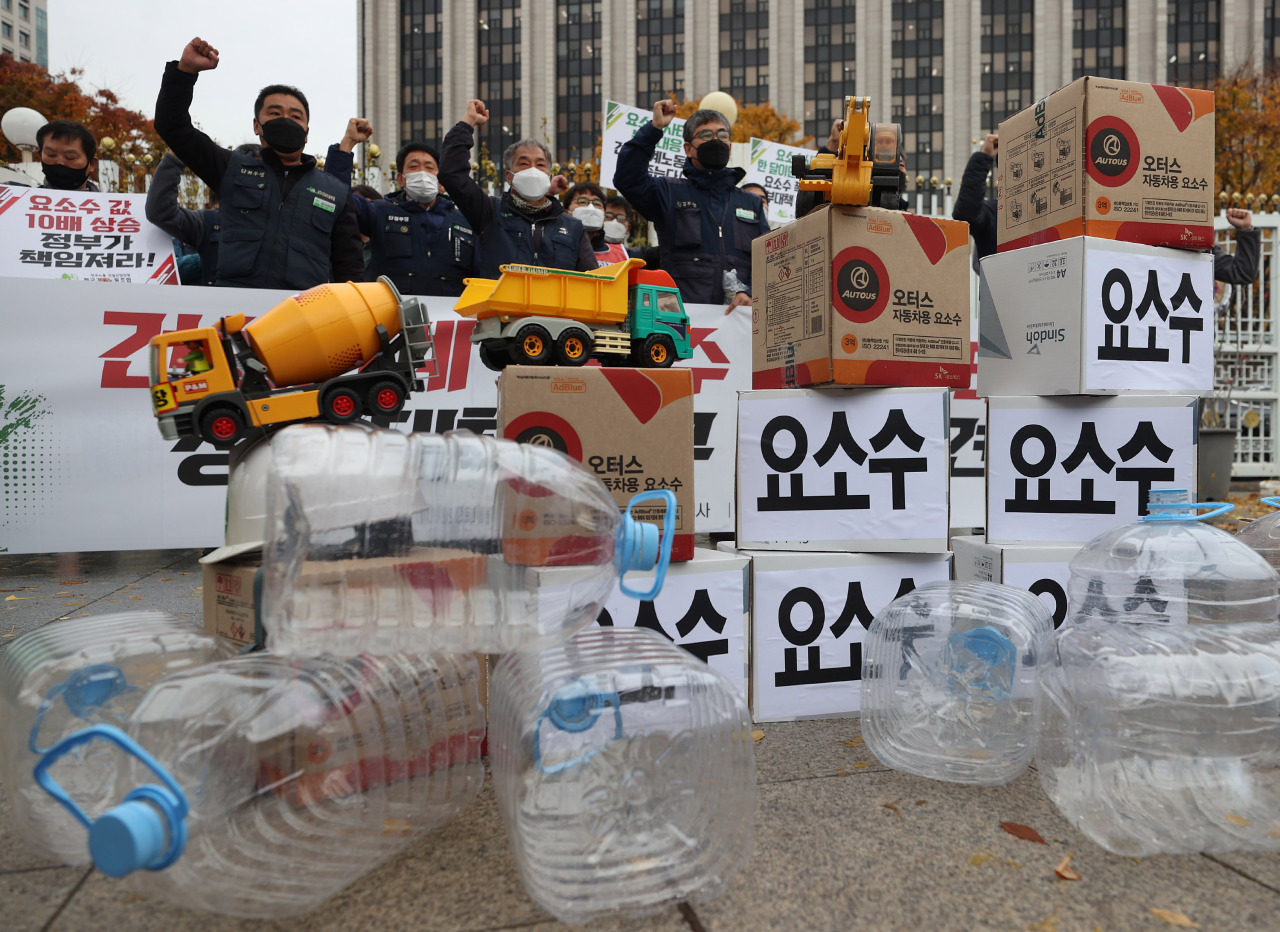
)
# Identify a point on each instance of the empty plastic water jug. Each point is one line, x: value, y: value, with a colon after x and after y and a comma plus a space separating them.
x: 948, y: 681
x: 66, y: 675
x: 625, y: 773
x: 381, y: 541
x: 1168, y: 567
x: 261, y: 786
x: 1263, y: 534
x: 1165, y: 739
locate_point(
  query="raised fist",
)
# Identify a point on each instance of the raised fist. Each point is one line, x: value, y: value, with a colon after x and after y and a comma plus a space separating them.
x: 664, y: 111
x: 198, y: 56
x: 477, y: 113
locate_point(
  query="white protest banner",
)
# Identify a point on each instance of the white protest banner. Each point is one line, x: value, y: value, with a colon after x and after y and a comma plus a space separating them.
x: 771, y: 169
x: 620, y: 124
x: 82, y: 235
x: 75, y: 413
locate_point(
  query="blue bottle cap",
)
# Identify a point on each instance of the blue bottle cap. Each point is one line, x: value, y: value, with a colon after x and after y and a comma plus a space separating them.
x: 127, y: 838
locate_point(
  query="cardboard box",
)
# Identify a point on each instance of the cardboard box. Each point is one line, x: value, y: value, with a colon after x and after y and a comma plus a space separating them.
x: 843, y: 469
x: 632, y: 428
x: 228, y: 597
x: 324, y: 750
x: 861, y: 296
x: 809, y: 617
x: 1065, y: 469
x: 1116, y: 159
x: 1041, y: 569
x: 1094, y: 316
x: 702, y: 607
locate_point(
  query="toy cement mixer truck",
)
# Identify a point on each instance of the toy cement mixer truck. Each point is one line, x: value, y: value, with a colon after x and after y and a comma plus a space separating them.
x: 293, y: 363
x: 620, y: 314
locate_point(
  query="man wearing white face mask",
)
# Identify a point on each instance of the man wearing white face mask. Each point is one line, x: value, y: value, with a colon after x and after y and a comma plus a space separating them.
x: 526, y: 224
x: 587, y: 203
x: 419, y: 239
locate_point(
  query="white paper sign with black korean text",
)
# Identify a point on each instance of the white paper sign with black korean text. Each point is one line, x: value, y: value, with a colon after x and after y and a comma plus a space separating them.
x: 809, y: 625
x: 621, y: 123
x: 853, y: 470
x: 1063, y: 469
x: 1149, y: 321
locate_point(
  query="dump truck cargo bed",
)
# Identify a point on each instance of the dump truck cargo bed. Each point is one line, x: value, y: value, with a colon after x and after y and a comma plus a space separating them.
x: 599, y: 295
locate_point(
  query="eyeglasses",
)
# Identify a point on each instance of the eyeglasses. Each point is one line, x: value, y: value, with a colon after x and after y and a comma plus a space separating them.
x: 610, y: 215
x: 584, y: 201
x: 705, y: 135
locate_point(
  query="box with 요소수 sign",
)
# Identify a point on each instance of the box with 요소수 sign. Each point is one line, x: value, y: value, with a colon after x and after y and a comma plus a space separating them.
x: 630, y: 428
x: 1120, y: 160
x: 1094, y: 316
x: 861, y: 296
x: 809, y: 618
x: 1041, y: 569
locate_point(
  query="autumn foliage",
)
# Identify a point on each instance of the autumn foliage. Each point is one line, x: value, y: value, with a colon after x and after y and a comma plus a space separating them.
x: 758, y: 120
x: 59, y: 97
x: 1247, y: 132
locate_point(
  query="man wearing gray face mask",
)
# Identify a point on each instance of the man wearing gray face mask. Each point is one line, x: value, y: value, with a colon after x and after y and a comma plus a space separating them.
x: 419, y: 239
x: 705, y: 222
x: 285, y: 224
x: 526, y: 224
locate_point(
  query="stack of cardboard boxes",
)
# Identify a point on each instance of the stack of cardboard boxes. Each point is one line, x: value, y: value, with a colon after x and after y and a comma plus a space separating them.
x: 861, y: 326
x: 1095, y: 322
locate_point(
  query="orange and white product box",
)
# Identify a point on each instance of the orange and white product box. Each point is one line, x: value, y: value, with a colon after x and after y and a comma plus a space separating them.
x: 702, y: 606
x: 1093, y: 316
x: 227, y: 588
x: 631, y: 428
x: 1042, y: 569
x: 1065, y: 469
x: 861, y: 296
x: 809, y: 617
x: 861, y: 469
x: 1114, y: 159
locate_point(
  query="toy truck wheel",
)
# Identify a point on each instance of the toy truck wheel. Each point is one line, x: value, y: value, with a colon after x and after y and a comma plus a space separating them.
x: 658, y: 352
x: 533, y: 345
x: 385, y: 398
x: 341, y: 406
x: 573, y: 348
x: 494, y: 357
x: 222, y: 426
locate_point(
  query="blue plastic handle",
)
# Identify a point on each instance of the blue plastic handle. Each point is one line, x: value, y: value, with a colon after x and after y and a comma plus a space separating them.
x: 169, y: 799
x: 87, y: 689
x: 1219, y: 508
x: 629, y: 537
x: 574, y: 709
x: 1272, y: 500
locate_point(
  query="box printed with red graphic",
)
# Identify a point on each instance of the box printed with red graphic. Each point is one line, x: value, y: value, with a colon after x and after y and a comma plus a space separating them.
x: 1114, y: 159
x: 861, y: 296
x: 631, y: 428
x: 809, y: 617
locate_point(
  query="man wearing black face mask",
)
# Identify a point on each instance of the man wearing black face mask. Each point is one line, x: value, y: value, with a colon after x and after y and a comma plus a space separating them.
x: 705, y: 222
x: 285, y: 223
x: 67, y: 153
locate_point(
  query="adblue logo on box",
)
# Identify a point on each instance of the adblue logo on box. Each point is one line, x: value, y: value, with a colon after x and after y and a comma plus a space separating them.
x: 568, y: 386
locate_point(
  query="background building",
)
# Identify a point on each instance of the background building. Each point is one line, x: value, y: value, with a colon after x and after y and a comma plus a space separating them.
x: 949, y: 72
x: 24, y: 30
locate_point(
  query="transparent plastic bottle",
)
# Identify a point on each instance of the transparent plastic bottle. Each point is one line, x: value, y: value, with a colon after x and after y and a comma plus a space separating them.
x: 1170, y: 568
x: 1263, y: 534
x: 68, y: 674
x: 625, y: 773
x: 1165, y: 739
x: 261, y: 786
x: 948, y: 681
x: 381, y: 541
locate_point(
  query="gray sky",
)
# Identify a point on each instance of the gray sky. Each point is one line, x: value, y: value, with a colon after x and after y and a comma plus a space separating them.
x: 123, y: 45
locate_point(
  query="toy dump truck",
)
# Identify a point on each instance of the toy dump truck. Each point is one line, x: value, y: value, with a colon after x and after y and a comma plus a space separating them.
x: 293, y: 363
x: 620, y: 314
x: 864, y: 170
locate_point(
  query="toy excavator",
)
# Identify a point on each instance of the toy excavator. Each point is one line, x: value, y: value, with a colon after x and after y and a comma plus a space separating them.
x: 864, y: 171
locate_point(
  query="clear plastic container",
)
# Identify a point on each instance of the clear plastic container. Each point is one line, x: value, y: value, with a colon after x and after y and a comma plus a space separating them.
x: 1263, y: 534
x: 625, y: 773
x: 1165, y: 739
x: 1170, y: 568
x: 261, y: 786
x: 381, y: 541
x: 948, y: 681
x: 68, y: 674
